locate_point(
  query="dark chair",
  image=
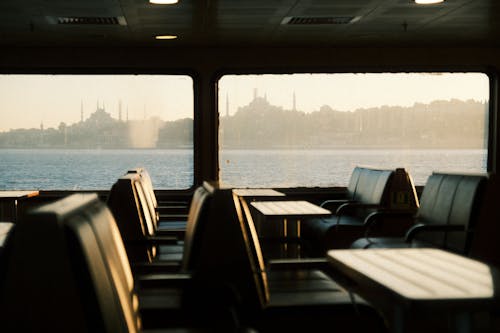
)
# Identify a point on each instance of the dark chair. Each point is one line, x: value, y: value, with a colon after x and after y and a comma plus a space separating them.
x: 127, y: 202
x: 175, y: 225
x: 370, y: 190
x: 146, y: 250
x: 68, y: 272
x: 449, y: 207
x: 290, y: 300
x: 58, y: 279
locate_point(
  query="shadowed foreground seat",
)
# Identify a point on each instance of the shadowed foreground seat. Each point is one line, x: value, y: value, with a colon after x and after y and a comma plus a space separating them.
x: 67, y: 271
x: 449, y: 207
x: 285, y: 301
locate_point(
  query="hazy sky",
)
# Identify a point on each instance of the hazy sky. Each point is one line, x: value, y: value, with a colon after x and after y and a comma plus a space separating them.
x: 347, y: 92
x: 28, y: 100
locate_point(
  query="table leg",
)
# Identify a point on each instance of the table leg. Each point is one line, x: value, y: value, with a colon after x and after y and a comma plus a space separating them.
x: 298, y: 238
x: 285, y: 235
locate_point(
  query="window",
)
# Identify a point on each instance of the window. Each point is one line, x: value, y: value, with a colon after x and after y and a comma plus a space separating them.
x: 295, y: 130
x: 68, y: 132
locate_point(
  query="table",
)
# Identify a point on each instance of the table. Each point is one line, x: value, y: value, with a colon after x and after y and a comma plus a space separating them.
x: 9, y: 203
x: 411, y: 284
x: 288, y: 211
x: 257, y: 192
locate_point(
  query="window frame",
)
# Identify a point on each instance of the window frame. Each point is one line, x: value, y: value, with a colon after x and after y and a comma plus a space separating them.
x: 197, y: 87
x: 493, y: 126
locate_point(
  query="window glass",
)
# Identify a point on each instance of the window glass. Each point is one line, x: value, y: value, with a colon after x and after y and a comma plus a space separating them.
x: 312, y: 129
x: 70, y: 132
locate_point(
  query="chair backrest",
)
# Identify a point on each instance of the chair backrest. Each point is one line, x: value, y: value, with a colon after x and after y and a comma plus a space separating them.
x: 68, y: 272
x: 450, y: 198
x: 147, y: 185
x: 353, y: 183
x: 230, y: 256
x: 128, y: 203
x: 5, y: 229
x: 372, y: 186
x: 196, y: 225
x: 485, y: 245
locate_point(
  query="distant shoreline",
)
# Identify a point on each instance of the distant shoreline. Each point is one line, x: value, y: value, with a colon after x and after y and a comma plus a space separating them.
x: 253, y: 148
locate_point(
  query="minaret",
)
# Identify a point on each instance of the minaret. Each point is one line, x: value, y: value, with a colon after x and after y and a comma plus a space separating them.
x: 294, y: 107
x: 120, y: 110
x: 227, y: 105
x: 41, y: 132
x: 127, y: 114
x: 81, y: 111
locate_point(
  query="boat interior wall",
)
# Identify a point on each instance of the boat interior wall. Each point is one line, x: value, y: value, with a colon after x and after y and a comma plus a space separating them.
x: 211, y: 61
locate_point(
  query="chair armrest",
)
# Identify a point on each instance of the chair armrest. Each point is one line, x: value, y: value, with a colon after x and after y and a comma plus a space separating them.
x: 154, y: 240
x: 162, y: 240
x: 304, y: 263
x: 413, y: 231
x: 175, y: 280
x: 334, y: 202
x: 348, y: 206
x: 156, y: 267
x: 374, y: 218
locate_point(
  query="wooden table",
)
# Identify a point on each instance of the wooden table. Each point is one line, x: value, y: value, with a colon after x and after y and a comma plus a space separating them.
x: 411, y: 285
x: 290, y: 214
x: 9, y: 203
x: 257, y: 192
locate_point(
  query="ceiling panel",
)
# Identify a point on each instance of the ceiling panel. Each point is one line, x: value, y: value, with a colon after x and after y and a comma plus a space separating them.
x: 216, y: 22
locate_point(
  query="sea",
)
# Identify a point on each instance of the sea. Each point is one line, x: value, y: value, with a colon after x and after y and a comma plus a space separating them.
x: 77, y: 169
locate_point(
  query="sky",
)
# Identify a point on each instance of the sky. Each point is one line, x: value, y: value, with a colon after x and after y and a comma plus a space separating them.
x: 26, y: 101
x: 348, y: 92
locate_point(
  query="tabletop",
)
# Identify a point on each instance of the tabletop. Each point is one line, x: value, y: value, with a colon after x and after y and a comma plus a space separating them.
x: 257, y: 192
x: 17, y: 194
x: 290, y: 208
x: 422, y: 275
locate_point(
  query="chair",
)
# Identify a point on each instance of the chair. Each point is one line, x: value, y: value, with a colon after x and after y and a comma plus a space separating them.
x: 128, y: 204
x: 68, y: 272
x: 369, y: 190
x: 162, y: 227
x: 288, y: 300
x: 449, y: 207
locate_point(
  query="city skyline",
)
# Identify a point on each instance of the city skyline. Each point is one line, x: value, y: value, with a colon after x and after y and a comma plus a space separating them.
x: 453, y: 124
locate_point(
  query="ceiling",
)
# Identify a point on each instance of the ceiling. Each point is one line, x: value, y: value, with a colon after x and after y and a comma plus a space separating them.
x: 249, y: 22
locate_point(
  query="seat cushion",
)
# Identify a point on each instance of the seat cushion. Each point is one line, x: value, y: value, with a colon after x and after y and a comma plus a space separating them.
x: 300, y: 281
x: 331, y: 233
x: 387, y: 242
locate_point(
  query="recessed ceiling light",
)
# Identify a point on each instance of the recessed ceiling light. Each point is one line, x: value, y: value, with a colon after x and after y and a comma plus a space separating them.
x: 166, y: 37
x: 163, y: 2
x: 427, y: 2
